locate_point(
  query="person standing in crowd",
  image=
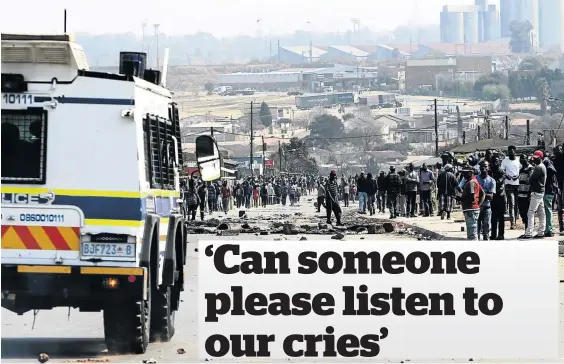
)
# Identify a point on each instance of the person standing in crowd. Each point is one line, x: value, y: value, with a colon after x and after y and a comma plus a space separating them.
x: 371, y: 190
x: 264, y: 195
x: 523, y: 195
x: 239, y: 195
x: 292, y: 194
x: 211, y: 197
x: 446, y: 190
x: 412, y: 181
x: 499, y: 200
x: 559, y: 165
x: 511, y: 167
x: 488, y: 186
x: 346, y: 192
x: 381, y: 198
x: 284, y: 190
x: 202, y: 191
x: 332, y: 204
x: 362, y: 195
x: 352, y: 194
x: 393, y: 185
x: 402, y: 197
x: 248, y: 194
x: 256, y: 194
x: 277, y: 193
x: 471, y: 199
x: 225, y: 196
x: 218, y: 197
x: 537, y: 183
x: 320, y: 195
x: 427, y: 179
x: 270, y: 191
x: 551, y: 190
x: 192, y: 200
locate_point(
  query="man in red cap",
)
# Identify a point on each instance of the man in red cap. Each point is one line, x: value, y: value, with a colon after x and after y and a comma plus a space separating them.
x: 537, y: 183
x: 331, y: 198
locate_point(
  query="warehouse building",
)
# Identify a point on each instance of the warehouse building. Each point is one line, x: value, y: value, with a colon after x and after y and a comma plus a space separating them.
x: 344, y: 53
x: 428, y: 73
x: 341, y: 77
x: 265, y: 81
x: 300, y: 54
x: 384, y: 52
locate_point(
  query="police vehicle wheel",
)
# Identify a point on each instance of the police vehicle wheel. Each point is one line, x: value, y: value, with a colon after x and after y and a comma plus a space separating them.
x: 162, y: 318
x: 127, y: 326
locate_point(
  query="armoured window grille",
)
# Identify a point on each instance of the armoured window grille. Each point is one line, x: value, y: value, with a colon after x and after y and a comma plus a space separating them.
x: 24, y: 146
x: 159, y: 149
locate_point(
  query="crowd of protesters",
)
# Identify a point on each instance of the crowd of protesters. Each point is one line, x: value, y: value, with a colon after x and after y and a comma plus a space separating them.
x: 528, y: 186
x: 252, y: 192
x: 484, y: 187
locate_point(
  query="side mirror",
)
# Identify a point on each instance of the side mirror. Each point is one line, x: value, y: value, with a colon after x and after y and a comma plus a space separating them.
x: 208, y: 158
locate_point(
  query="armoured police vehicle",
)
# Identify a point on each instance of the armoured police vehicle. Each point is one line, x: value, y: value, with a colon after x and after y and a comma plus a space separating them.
x: 90, y: 188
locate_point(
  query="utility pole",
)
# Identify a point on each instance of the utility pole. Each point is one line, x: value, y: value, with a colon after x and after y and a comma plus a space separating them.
x: 280, y: 156
x: 464, y: 137
x: 279, y: 51
x: 65, y: 22
x: 252, y: 137
x: 528, y: 137
x: 270, y: 51
x: 143, y: 26
x: 479, y: 133
x: 436, y: 130
x: 157, y: 39
x: 263, y: 161
x: 506, y: 127
x: 211, y: 131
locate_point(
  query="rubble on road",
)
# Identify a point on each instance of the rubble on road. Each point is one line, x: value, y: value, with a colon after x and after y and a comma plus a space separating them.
x: 304, y: 223
x: 43, y: 358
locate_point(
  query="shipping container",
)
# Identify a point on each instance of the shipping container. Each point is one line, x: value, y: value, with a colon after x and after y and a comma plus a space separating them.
x: 369, y: 100
x: 311, y: 101
x: 344, y: 98
x: 387, y: 99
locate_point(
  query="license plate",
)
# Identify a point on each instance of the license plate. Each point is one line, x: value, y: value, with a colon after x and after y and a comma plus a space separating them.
x: 108, y: 250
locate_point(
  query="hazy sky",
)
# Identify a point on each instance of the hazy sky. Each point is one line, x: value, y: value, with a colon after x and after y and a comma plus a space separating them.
x: 220, y: 17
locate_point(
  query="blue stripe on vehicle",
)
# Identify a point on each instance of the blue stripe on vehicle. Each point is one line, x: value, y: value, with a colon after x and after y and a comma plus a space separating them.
x: 114, y: 208
x: 86, y: 100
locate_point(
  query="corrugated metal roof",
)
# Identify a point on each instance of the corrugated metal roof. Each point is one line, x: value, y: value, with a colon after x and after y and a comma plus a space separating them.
x: 431, y: 62
x: 304, y: 50
x: 350, y: 50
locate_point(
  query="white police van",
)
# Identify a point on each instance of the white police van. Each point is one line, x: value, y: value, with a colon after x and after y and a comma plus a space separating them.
x: 90, y: 182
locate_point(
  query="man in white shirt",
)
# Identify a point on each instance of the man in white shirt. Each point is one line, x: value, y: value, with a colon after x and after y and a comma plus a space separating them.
x: 511, y: 166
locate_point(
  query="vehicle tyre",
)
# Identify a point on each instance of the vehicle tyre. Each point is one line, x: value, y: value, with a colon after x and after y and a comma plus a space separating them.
x: 127, y: 326
x: 162, y: 316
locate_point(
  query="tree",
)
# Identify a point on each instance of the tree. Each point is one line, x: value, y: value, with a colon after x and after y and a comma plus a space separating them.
x: 494, y: 92
x: 496, y: 78
x: 531, y: 64
x: 543, y: 93
x: 515, y: 86
x: 326, y: 126
x: 520, y: 36
x: 366, y: 136
x: 209, y: 86
x: 265, y: 115
x: 296, y: 158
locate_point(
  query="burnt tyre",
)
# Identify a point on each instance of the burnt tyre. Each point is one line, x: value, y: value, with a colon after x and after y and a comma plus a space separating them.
x: 127, y: 326
x: 162, y: 315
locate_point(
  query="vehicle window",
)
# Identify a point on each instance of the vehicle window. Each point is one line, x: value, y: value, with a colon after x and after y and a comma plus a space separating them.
x: 24, y: 141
